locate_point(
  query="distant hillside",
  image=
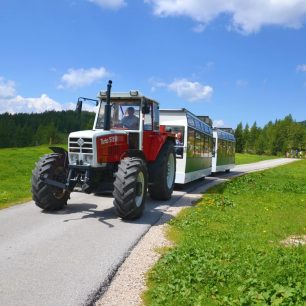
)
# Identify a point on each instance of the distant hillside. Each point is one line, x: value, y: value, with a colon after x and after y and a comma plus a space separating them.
x: 303, y: 122
x: 22, y: 130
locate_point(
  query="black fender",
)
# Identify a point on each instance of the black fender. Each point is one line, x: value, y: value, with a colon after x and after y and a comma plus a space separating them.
x: 135, y: 153
x: 62, y: 151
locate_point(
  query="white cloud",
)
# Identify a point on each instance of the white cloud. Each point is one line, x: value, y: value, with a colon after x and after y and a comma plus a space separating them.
x: 247, y: 16
x: 82, y: 77
x: 241, y: 83
x: 19, y: 104
x: 7, y: 88
x: 188, y: 90
x: 191, y: 91
x: 218, y: 123
x: 199, y: 28
x: 11, y: 102
x: 156, y: 84
x: 109, y: 4
x: 301, y: 68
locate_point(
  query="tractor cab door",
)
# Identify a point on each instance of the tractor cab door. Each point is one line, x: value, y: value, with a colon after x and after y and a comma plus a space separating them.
x: 151, y: 133
x: 151, y: 117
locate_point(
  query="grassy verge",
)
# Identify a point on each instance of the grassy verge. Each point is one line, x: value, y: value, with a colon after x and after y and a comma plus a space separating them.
x: 245, y: 158
x: 228, y: 247
x: 16, y: 166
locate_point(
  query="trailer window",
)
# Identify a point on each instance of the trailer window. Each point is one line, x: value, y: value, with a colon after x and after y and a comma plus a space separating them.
x: 190, y: 143
x: 179, y: 132
x: 206, y: 149
x: 197, y: 145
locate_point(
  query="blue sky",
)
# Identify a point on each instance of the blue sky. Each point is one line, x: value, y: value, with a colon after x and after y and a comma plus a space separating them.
x: 234, y: 60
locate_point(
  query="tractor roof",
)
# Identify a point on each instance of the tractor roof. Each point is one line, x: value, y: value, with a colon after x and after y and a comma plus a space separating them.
x: 133, y: 94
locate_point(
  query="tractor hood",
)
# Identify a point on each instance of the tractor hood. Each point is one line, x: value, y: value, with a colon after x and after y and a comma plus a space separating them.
x: 93, y: 134
x: 83, y: 145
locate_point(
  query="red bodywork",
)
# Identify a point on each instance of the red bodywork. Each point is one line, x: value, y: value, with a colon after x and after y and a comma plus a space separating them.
x: 112, y: 148
x: 152, y: 143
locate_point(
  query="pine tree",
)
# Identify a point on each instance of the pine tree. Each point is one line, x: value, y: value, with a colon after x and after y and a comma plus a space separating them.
x: 239, y: 138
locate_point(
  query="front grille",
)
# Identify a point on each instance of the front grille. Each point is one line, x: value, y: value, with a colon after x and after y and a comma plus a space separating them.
x: 74, y: 146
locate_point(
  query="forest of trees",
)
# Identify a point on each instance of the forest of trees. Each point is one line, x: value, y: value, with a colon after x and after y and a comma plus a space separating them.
x: 283, y: 137
x: 23, y: 130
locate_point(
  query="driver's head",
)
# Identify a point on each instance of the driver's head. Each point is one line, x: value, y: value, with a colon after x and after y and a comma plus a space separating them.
x: 130, y: 110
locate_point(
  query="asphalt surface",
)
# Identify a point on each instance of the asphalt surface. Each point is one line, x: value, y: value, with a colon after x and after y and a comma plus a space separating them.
x: 67, y: 257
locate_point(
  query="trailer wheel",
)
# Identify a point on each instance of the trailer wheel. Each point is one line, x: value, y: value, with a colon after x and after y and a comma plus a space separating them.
x: 45, y: 196
x: 163, y: 173
x: 130, y: 188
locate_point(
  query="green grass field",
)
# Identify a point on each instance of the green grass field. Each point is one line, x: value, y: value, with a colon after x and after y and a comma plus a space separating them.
x: 229, y: 247
x: 16, y: 166
x: 246, y: 158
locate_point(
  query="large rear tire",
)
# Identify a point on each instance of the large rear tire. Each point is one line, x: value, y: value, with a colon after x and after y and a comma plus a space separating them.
x: 162, y: 173
x: 45, y: 196
x: 130, y: 188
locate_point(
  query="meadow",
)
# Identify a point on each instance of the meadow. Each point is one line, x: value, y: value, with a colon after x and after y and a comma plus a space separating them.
x: 16, y: 166
x: 246, y: 158
x: 234, y: 247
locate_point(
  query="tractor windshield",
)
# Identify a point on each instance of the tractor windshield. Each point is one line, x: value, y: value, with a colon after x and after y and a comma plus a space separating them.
x: 124, y: 115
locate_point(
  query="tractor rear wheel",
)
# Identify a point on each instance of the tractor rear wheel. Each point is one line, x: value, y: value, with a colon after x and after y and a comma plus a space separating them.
x: 130, y: 188
x: 162, y: 173
x: 51, y: 166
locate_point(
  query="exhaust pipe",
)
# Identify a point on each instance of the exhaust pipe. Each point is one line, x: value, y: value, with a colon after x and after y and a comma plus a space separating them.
x: 107, y: 111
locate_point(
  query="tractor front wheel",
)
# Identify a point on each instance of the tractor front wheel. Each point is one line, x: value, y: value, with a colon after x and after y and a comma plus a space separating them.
x: 130, y: 188
x: 51, y: 166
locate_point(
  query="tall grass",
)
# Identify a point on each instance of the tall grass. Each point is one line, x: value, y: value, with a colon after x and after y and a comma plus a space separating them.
x: 16, y: 166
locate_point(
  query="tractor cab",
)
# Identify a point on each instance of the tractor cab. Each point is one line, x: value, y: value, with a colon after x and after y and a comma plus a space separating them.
x: 130, y: 112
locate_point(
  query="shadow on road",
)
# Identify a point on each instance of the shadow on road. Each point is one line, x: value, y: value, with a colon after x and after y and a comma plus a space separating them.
x: 108, y: 216
x: 153, y: 211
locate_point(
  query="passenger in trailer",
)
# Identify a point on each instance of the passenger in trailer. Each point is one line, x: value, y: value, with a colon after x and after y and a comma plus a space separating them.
x: 179, y: 144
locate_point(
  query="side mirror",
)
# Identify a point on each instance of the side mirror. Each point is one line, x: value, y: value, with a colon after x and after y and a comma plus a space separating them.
x: 145, y: 107
x: 78, y: 108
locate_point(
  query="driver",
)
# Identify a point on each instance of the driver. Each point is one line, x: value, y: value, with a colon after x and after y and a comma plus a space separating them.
x: 130, y: 121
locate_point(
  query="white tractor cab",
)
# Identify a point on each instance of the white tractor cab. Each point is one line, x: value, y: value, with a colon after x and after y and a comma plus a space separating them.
x: 127, y: 151
x: 224, y: 150
x: 130, y: 113
x: 194, y: 143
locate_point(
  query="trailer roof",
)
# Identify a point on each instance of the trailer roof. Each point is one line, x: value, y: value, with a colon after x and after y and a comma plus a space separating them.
x: 225, y: 135
x: 192, y: 120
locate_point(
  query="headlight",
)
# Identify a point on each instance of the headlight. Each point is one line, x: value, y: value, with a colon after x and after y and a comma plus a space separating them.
x: 87, y: 159
x: 73, y: 158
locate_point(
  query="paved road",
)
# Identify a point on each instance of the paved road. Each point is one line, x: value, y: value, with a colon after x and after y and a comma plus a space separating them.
x: 67, y: 257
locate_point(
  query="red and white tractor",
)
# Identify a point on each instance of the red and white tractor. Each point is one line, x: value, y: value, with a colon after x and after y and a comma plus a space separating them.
x: 126, y: 151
